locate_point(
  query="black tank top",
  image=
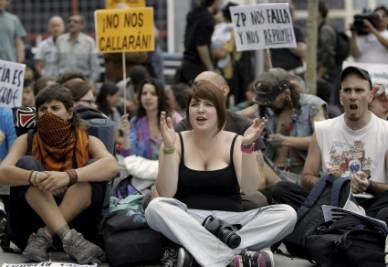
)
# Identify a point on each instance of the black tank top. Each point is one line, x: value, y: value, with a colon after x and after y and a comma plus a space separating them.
x: 209, y: 190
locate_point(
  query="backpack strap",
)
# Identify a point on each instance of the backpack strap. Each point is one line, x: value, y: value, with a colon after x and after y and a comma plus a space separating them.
x: 314, y: 195
x: 338, y: 184
x: 30, y: 135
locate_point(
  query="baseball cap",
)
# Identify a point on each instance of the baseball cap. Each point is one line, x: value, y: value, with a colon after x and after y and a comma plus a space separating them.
x: 361, y: 72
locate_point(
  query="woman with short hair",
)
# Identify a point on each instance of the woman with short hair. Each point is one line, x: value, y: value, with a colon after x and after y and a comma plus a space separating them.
x: 55, y: 188
x: 201, y: 173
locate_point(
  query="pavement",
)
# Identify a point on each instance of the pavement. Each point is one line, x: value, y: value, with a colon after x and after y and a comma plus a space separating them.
x: 280, y: 260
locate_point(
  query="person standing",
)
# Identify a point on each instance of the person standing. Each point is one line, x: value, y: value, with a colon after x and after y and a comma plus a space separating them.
x: 47, y: 54
x: 77, y: 51
x: 11, y: 32
x: 372, y: 47
x: 199, y: 29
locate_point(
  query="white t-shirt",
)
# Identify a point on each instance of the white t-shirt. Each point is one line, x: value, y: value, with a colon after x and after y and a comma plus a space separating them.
x: 371, y: 50
x: 344, y: 150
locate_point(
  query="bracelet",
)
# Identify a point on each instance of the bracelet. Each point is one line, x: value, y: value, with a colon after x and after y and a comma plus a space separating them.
x: 170, y: 150
x: 30, y: 178
x: 34, y: 175
x: 73, y: 176
x: 248, y: 149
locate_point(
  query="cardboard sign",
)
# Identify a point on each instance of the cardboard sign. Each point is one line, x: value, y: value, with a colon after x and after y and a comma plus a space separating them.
x: 11, y: 83
x: 262, y: 26
x: 378, y: 72
x: 125, y: 30
x: 110, y: 4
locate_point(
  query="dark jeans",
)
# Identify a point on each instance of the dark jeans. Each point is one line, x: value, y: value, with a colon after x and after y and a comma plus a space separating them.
x: 23, y: 221
x: 294, y: 195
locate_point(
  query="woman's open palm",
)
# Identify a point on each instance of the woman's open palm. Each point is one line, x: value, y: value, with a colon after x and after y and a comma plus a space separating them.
x: 167, y: 130
x: 254, y: 131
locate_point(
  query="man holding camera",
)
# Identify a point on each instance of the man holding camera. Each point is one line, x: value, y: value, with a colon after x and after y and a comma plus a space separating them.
x: 369, y: 40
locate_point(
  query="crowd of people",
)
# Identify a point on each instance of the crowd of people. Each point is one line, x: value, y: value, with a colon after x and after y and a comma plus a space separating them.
x: 248, y: 166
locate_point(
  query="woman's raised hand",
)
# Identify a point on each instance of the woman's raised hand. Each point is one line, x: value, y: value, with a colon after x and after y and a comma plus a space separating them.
x: 254, y: 131
x: 167, y: 130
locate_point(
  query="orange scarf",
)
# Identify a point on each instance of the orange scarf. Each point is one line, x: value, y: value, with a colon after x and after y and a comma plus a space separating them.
x: 58, y: 147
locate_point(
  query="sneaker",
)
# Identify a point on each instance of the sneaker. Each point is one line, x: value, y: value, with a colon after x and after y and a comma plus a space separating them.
x: 84, y: 251
x: 184, y: 258
x: 37, y: 245
x: 263, y: 258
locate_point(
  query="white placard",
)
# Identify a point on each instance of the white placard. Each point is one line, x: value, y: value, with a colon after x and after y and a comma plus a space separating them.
x: 262, y: 26
x: 47, y: 264
x: 11, y: 83
x: 378, y: 72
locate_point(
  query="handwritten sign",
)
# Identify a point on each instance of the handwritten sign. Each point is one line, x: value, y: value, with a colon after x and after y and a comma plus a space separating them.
x: 109, y: 4
x: 378, y: 72
x: 262, y: 26
x: 11, y: 83
x: 124, y: 30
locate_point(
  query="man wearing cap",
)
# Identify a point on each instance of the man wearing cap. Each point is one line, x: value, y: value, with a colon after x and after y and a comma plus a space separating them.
x: 355, y: 136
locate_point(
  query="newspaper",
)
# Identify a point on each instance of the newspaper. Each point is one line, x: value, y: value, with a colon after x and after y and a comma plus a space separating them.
x: 331, y: 213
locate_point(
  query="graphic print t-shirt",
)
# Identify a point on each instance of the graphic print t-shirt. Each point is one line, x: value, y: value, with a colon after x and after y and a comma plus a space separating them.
x: 345, y: 150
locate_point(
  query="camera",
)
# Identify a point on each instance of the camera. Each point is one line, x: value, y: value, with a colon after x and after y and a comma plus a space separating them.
x: 224, y: 231
x: 358, y: 23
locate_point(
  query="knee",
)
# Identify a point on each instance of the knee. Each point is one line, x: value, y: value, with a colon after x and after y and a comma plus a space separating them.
x: 155, y: 206
x: 289, y: 216
x: 29, y: 163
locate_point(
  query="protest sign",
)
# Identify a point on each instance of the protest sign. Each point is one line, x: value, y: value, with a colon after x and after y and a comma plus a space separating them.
x: 378, y: 72
x: 262, y: 26
x: 109, y: 4
x: 124, y: 30
x: 11, y: 83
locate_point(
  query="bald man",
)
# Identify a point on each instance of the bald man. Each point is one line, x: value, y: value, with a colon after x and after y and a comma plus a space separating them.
x: 47, y: 54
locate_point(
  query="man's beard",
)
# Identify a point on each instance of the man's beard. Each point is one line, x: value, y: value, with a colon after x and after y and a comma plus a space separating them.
x: 286, y: 103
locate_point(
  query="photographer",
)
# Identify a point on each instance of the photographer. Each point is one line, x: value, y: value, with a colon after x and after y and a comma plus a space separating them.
x: 369, y: 40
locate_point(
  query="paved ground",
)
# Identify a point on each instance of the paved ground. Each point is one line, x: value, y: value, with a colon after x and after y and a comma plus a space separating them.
x: 280, y: 261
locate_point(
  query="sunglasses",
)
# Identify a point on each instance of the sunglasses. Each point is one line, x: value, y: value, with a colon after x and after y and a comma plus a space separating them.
x: 265, y: 97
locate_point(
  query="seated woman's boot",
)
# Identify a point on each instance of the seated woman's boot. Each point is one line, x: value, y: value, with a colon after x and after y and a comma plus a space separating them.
x: 37, y: 245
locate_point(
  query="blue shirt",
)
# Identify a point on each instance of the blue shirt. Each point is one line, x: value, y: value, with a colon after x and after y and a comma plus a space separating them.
x: 7, y: 131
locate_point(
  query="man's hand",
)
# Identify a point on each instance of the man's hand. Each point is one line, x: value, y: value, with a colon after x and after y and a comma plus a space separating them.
x: 359, y: 182
x: 276, y: 140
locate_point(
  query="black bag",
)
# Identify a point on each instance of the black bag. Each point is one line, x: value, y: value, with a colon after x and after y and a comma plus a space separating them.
x: 342, y: 49
x: 128, y: 239
x: 348, y: 241
x: 126, y: 245
x: 329, y: 190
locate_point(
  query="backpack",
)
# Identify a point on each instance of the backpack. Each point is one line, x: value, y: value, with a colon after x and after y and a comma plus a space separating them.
x: 127, y: 237
x: 352, y: 240
x: 97, y: 123
x: 329, y: 190
x: 342, y: 47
